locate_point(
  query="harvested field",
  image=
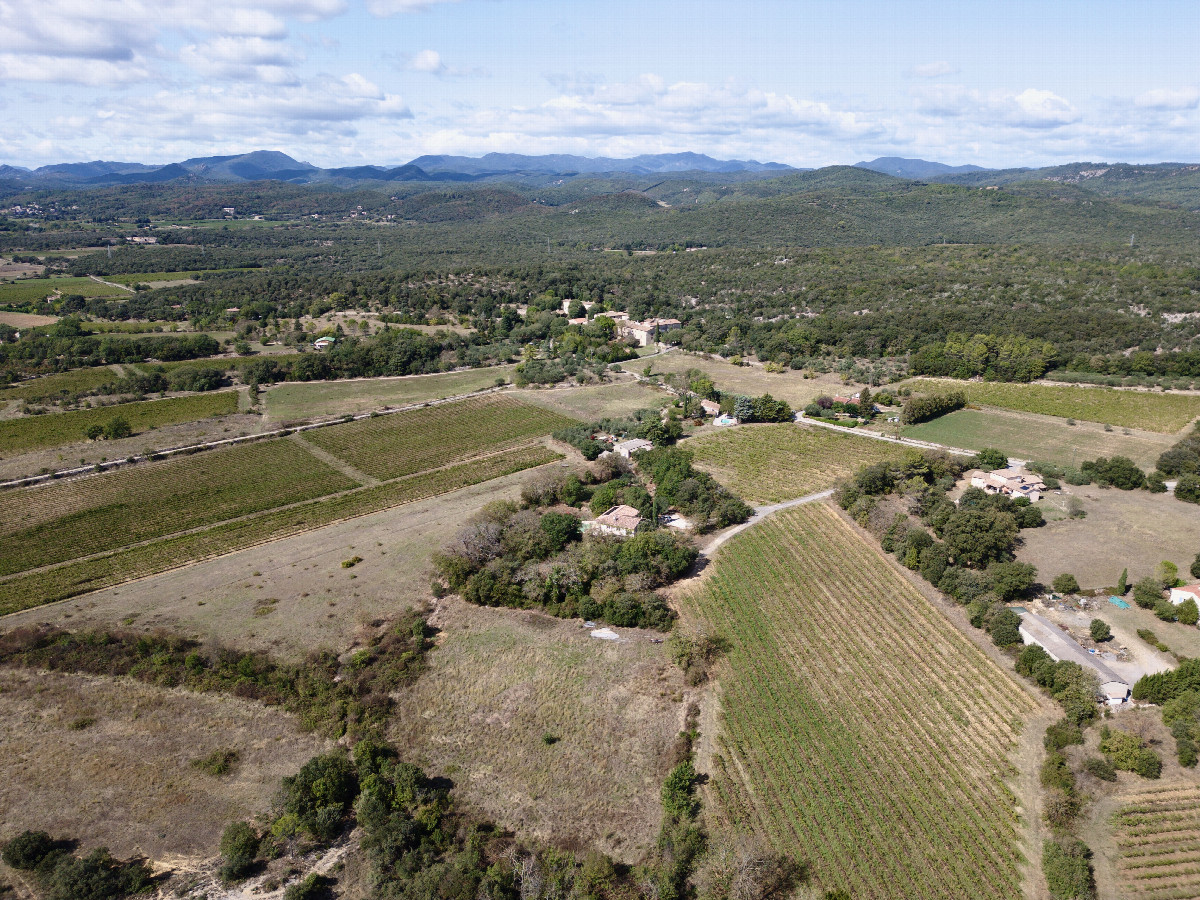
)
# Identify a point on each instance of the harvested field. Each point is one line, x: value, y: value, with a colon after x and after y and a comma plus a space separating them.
x: 57, y: 429
x: 753, y: 381
x: 1158, y: 841
x: 56, y: 522
x: 293, y: 401
x: 1041, y: 438
x: 501, y: 679
x: 291, y: 595
x: 770, y: 463
x: 861, y: 732
x: 25, y: 320
x: 402, y: 443
x: 1158, y: 412
x: 62, y: 384
x: 597, y: 401
x: 26, y: 591
x: 1133, y: 529
x: 127, y: 781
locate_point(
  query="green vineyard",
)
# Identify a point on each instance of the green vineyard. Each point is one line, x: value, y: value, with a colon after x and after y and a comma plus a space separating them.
x: 1158, y: 840
x: 390, y: 446
x: 61, y: 384
x: 53, y: 523
x: 56, y: 429
x: 800, y: 460
x: 861, y: 732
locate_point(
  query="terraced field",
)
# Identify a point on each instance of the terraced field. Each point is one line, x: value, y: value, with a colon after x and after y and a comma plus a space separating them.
x: 1158, y: 839
x: 399, y: 444
x: 70, y: 579
x: 771, y: 463
x: 1163, y: 413
x: 860, y: 731
x: 54, y: 523
x: 56, y: 429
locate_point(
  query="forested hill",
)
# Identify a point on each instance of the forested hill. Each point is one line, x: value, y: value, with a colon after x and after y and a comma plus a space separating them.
x: 837, y: 206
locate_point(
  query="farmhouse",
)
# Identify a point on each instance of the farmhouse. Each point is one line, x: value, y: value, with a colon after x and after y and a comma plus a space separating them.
x: 621, y: 521
x: 1187, y: 592
x: 649, y: 331
x: 323, y: 343
x: 632, y: 446
x: 710, y: 407
x: 1061, y: 646
x: 1012, y: 481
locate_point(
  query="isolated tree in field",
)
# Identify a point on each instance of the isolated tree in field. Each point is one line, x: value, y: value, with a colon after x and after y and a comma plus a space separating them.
x: 239, y: 847
x: 117, y: 427
x: 1123, y: 582
x: 1168, y: 574
x: 1099, y: 630
x: 1147, y: 592
x: 1065, y: 584
x: 94, y: 432
x: 1195, y: 569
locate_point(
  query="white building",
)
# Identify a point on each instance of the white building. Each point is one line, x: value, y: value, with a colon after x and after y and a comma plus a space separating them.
x: 1187, y: 592
x: 621, y: 521
x: 1061, y: 646
x: 1012, y: 481
x: 632, y: 446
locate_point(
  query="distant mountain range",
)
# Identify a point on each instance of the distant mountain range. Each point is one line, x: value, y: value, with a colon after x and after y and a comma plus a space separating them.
x: 916, y: 169
x: 271, y: 165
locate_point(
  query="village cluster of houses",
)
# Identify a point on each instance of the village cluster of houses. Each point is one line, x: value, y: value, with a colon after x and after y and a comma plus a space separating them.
x: 644, y: 333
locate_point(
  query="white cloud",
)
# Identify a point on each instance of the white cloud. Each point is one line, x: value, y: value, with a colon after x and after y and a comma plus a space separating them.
x: 1169, y: 98
x: 384, y: 8
x: 429, y: 61
x: 1042, y: 109
x: 932, y: 69
x: 63, y: 70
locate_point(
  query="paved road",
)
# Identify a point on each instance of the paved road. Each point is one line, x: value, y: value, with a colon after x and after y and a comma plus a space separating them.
x: 760, y: 513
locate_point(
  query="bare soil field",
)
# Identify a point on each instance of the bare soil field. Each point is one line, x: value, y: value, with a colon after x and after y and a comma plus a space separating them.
x: 1042, y: 438
x: 126, y: 780
x: 292, y: 401
x: 87, y: 452
x: 25, y: 320
x: 752, y: 381
x: 292, y: 595
x: 1133, y: 529
x: 597, y: 401
x: 500, y: 680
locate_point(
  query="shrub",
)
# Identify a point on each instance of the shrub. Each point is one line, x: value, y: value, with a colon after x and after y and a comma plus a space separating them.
x: 922, y: 409
x: 1068, y: 870
x: 1004, y: 628
x: 96, y: 876
x: 1099, y: 630
x: 1118, y: 471
x: 1126, y: 751
x: 28, y: 849
x: 320, y: 794
x: 1062, y: 734
x: 239, y: 848
x: 117, y: 427
x: 990, y: 458
x: 1065, y: 584
x: 1147, y: 592
x: 1165, y: 610
x: 1100, y: 767
x: 314, y: 887
x: 220, y: 761
x: 1187, y: 488
x: 1187, y: 612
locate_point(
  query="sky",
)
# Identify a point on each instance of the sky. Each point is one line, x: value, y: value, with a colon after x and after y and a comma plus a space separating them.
x: 351, y: 82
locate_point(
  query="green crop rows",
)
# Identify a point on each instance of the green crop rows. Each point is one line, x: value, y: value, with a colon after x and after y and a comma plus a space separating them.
x: 54, y: 523
x: 1165, y: 413
x: 1158, y: 840
x: 68, y: 580
x: 770, y: 463
x: 56, y: 429
x: 861, y: 732
x: 31, y: 289
x: 398, y: 444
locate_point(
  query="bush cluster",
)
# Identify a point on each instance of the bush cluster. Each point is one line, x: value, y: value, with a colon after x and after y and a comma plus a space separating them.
x: 65, y: 876
x: 922, y: 409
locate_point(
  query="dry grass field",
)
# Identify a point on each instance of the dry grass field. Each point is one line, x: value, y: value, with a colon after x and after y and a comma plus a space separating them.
x: 500, y: 680
x: 860, y: 731
x: 293, y: 401
x: 25, y: 320
x: 771, y: 463
x: 1042, y: 438
x: 1133, y: 529
x: 126, y: 780
x: 753, y: 381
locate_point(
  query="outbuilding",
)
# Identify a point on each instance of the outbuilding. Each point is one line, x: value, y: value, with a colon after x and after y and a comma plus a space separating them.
x: 632, y: 446
x: 1187, y: 592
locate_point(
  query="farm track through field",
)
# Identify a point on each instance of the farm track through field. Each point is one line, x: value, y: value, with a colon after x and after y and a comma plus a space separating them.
x: 41, y: 586
x: 866, y: 735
